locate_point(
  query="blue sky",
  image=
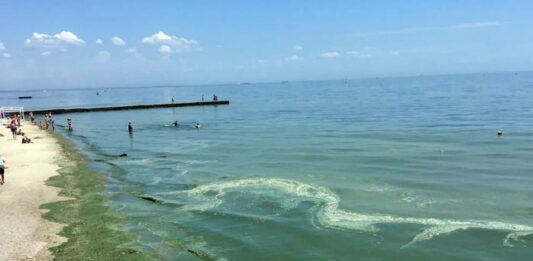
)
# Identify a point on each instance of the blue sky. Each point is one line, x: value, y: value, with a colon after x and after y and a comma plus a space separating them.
x: 53, y: 44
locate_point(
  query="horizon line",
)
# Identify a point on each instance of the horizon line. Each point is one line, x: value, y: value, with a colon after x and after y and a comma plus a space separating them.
x: 258, y: 83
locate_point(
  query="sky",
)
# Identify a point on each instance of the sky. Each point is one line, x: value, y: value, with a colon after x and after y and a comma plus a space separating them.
x: 93, y: 44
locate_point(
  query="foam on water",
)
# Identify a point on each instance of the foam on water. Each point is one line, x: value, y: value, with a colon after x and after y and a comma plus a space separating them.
x: 329, y: 215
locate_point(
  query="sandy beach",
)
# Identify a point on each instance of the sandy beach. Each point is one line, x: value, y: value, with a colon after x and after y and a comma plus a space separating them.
x: 25, y: 234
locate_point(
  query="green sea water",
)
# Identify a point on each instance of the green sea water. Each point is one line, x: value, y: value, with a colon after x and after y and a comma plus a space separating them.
x: 375, y: 169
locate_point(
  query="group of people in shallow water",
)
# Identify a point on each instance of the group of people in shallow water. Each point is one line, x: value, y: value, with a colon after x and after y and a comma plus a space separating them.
x: 174, y: 124
x: 47, y: 123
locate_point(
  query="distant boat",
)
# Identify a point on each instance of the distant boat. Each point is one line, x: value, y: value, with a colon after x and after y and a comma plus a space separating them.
x: 25, y: 97
x: 244, y: 83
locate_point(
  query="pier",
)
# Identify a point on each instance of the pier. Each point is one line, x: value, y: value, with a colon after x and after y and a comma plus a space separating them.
x: 128, y: 107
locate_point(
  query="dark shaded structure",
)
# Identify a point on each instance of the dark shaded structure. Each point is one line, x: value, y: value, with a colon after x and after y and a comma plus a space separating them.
x: 128, y: 107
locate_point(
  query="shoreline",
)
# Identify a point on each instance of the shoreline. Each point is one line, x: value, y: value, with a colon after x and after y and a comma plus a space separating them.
x: 53, y: 206
x: 91, y: 226
x: 26, y: 234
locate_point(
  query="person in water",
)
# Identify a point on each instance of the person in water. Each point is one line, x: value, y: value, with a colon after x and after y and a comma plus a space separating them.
x: 197, y: 126
x: 69, y: 123
x: 130, y: 127
x: 175, y: 124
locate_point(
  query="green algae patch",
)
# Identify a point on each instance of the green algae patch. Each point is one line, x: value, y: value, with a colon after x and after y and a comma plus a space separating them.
x: 91, y: 225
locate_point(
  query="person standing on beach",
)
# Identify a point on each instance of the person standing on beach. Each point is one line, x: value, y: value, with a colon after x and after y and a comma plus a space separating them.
x: 46, y: 121
x: 2, y: 170
x: 13, y: 127
x: 130, y: 127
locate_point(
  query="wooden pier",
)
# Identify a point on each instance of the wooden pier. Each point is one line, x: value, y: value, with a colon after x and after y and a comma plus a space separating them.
x: 127, y: 107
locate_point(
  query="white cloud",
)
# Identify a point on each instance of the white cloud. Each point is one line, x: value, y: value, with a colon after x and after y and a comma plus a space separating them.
x: 56, y: 41
x: 118, y: 41
x: 395, y: 53
x: 260, y: 61
x: 330, y: 55
x: 294, y: 58
x: 103, y: 57
x: 46, y: 53
x: 134, y: 52
x: 179, y: 44
x: 297, y: 48
x: 358, y: 54
x: 2, y: 49
x: 476, y: 25
x: 421, y: 29
x: 99, y: 41
x: 165, y: 49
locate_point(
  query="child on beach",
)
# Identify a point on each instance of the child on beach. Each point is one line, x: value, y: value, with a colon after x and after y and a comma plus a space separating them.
x: 2, y: 167
x: 25, y: 139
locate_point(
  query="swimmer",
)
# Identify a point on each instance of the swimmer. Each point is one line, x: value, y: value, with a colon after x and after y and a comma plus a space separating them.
x: 197, y: 126
x: 130, y: 127
x: 499, y: 133
x: 175, y: 124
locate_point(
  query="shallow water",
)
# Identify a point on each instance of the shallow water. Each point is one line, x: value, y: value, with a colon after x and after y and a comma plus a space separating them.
x: 376, y: 169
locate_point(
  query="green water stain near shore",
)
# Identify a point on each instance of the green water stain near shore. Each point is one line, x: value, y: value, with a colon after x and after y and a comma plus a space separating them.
x: 91, y: 226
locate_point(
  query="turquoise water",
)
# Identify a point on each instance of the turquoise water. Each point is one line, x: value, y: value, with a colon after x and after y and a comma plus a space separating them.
x: 376, y: 169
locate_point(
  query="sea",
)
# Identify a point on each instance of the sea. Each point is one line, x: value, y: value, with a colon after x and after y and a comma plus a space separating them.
x: 407, y: 168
